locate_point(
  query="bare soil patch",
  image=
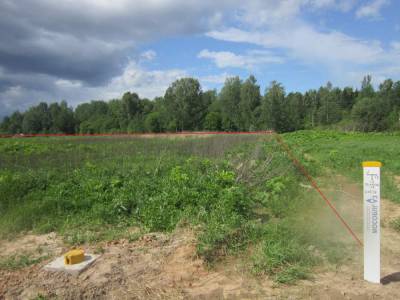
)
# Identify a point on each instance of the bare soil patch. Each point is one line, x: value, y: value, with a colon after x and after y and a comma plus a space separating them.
x: 157, y: 266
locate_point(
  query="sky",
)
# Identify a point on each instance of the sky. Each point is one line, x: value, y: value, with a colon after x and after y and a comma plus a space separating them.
x: 98, y: 49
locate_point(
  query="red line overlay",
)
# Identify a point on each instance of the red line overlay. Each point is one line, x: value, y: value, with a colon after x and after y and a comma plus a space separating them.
x: 315, y: 186
x: 134, y: 134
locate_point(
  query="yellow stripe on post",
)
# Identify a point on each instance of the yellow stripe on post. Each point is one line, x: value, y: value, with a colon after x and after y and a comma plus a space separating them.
x: 372, y: 164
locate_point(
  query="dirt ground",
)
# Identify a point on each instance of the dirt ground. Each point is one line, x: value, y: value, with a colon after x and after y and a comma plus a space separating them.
x: 160, y: 266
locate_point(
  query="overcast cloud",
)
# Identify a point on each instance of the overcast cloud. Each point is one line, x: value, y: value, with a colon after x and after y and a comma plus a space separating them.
x: 75, y: 49
x: 88, y: 49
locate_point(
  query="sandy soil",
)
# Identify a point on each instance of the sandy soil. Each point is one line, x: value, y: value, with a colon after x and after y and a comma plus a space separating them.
x: 157, y: 266
x: 160, y: 266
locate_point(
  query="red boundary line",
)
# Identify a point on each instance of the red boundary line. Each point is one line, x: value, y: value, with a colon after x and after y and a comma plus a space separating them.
x: 315, y: 186
x: 134, y: 134
x: 284, y: 146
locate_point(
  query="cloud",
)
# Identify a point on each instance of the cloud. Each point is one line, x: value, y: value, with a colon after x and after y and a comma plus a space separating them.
x: 93, y: 40
x: 148, y: 55
x: 341, y: 5
x: 307, y: 44
x: 259, y: 13
x: 339, y: 54
x: 372, y: 9
x: 64, y: 83
x: 227, y: 59
x: 395, y: 46
x: 71, y: 50
x: 64, y: 49
x: 89, y: 40
x: 215, y: 79
x: 146, y: 83
x: 135, y: 78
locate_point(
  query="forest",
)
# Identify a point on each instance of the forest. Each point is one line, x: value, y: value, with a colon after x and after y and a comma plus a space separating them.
x: 238, y: 106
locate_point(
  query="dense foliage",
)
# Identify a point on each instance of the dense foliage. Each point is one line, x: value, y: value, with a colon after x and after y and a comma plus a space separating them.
x: 93, y: 189
x: 240, y: 194
x: 239, y: 106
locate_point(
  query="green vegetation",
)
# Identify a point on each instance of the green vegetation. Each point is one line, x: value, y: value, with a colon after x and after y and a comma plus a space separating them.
x: 19, y: 261
x: 40, y: 297
x: 396, y: 224
x: 239, y: 193
x: 230, y: 189
x: 239, y: 106
x: 344, y: 153
x: 283, y: 255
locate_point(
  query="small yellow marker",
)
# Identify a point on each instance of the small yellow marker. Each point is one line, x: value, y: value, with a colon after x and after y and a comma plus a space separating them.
x: 73, y: 257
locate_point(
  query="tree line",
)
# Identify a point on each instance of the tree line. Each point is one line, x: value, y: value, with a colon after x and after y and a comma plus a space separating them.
x: 239, y: 106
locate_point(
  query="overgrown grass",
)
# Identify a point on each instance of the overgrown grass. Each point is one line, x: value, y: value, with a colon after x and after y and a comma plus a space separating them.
x: 96, y: 189
x: 241, y: 193
x: 344, y: 153
x: 282, y: 254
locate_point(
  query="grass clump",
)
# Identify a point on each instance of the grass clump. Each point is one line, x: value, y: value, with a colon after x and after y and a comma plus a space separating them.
x: 396, y: 224
x: 19, y: 261
x: 283, y: 255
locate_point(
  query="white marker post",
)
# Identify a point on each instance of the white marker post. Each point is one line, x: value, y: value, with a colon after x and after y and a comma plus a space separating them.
x: 372, y: 230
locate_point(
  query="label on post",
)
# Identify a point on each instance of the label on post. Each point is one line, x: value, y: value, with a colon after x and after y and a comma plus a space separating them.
x: 372, y: 199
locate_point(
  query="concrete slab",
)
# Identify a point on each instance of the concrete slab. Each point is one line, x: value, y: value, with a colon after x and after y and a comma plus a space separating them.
x: 58, y: 265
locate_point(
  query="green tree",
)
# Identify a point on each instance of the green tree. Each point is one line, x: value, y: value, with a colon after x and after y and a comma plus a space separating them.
x: 370, y: 114
x: 184, y: 104
x: 274, y: 107
x: 230, y: 99
x: 329, y: 110
x: 115, y: 112
x: 367, y: 90
x: 295, y: 111
x: 5, y: 125
x: 131, y: 117
x: 312, y: 104
x: 62, y: 118
x: 153, y: 122
x: 348, y: 98
x: 250, y: 99
x: 396, y: 94
x: 96, y: 117
x: 13, y: 124
x: 37, y: 119
x: 213, y: 121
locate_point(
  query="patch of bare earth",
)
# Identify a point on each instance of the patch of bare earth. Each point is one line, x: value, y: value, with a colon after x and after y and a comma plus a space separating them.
x: 397, y: 180
x: 160, y: 266
x: 157, y: 266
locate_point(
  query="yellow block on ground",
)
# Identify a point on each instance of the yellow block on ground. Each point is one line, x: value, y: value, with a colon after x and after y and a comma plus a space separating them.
x: 73, y: 257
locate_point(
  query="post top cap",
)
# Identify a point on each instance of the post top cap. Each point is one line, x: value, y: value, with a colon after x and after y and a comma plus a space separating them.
x: 376, y: 164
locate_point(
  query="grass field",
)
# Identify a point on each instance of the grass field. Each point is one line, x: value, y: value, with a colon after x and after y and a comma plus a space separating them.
x: 239, y: 193
x: 344, y: 153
